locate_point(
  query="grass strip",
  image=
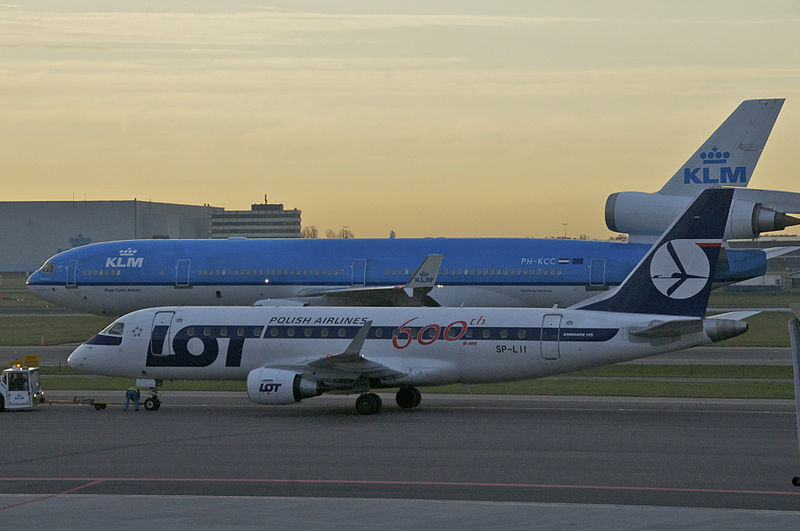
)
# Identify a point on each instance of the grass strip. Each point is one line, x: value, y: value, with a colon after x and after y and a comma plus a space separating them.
x: 55, y: 329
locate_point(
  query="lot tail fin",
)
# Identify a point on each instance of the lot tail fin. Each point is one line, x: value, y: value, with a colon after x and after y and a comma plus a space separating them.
x: 731, y: 153
x: 675, y: 277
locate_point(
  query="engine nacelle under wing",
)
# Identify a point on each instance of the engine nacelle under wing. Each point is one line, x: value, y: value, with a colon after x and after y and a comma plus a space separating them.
x: 280, y: 387
x: 640, y: 213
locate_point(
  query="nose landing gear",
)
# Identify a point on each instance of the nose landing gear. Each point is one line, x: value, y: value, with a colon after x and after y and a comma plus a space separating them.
x: 152, y: 403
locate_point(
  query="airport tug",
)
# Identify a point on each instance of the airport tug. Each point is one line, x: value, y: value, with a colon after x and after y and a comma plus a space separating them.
x: 20, y: 388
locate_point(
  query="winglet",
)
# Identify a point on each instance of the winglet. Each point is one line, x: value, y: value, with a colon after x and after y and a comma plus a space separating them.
x: 425, y: 275
x: 354, y: 348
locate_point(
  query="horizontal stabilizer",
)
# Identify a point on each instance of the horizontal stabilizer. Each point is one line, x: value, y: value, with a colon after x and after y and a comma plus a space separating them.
x: 736, y: 316
x: 774, y: 252
x: 668, y: 329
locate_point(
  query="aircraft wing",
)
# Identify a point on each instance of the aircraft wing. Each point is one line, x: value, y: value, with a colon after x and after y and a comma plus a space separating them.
x: 413, y: 293
x: 351, y: 364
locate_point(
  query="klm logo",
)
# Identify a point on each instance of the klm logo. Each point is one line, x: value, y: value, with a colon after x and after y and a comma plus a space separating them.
x: 715, y: 170
x: 423, y: 277
x: 127, y: 258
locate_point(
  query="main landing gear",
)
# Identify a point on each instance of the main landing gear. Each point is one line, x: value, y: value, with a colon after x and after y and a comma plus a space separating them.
x: 370, y: 403
x: 408, y: 397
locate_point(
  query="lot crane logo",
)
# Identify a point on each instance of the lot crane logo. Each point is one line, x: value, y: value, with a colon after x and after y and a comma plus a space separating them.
x: 680, y: 269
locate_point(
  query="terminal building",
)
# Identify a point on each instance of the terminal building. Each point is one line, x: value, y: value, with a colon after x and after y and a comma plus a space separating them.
x: 33, y: 231
x: 261, y: 221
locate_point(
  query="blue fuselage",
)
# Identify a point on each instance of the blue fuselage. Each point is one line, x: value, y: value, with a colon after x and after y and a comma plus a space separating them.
x: 118, y: 277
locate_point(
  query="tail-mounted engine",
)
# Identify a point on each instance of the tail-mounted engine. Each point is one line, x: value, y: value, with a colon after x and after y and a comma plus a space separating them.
x: 647, y: 215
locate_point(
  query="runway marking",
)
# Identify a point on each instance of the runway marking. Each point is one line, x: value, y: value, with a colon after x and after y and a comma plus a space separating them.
x: 95, y: 481
x: 68, y: 491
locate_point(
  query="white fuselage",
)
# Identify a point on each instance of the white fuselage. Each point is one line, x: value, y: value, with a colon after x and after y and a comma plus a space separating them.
x: 428, y: 346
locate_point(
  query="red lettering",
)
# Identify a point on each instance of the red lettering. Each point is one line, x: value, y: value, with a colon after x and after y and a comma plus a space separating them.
x: 403, y: 330
x: 434, y: 338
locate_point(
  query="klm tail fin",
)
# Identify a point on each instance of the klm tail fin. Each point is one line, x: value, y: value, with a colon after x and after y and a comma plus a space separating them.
x: 676, y: 275
x: 730, y: 155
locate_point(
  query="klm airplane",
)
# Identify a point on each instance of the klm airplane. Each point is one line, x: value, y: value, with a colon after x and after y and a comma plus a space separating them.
x: 118, y: 277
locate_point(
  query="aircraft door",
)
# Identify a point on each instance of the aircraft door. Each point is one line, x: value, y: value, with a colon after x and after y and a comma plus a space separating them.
x: 551, y: 330
x: 359, y: 269
x: 597, y: 272
x: 72, y: 274
x: 182, y: 269
x: 159, y: 335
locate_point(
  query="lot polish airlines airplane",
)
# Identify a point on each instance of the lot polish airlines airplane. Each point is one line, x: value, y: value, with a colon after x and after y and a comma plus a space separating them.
x: 287, y: 354
x: 118, y: 277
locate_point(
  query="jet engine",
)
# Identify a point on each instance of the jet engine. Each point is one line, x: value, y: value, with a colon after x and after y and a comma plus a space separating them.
x: 647, y: 215
x: 721, y: 329
x: 280, y: 387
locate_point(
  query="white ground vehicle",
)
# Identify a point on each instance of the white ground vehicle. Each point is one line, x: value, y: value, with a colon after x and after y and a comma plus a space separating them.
x: 20, y: 388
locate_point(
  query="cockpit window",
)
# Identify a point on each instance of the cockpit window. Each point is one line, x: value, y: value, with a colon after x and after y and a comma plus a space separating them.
x: 114, y: 329
x: 48, y: 268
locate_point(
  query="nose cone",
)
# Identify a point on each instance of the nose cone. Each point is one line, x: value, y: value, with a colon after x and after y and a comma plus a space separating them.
x: 34, y: 278
x: 77, y: 359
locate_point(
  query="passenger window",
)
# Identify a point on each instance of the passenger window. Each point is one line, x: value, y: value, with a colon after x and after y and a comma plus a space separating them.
x: 341, y: 332
x: 503, y: 334
x: 324, y: 332
x: 521, y: 333
x: 273, y: 332
x: 307, y: 332
x: 486, y: 333
x: 290, y: 332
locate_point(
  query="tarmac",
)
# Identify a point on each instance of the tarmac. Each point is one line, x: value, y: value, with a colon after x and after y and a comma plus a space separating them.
x: 210, y: 460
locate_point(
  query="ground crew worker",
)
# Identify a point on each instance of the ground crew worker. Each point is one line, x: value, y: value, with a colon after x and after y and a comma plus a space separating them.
x: 131, y: 394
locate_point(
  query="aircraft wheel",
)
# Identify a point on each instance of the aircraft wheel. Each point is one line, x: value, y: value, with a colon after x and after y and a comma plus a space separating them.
x: 368, y: 404
x: 156, y: 403
x: 408, y: 397
x: 796, y: 481
x: 150, y: 404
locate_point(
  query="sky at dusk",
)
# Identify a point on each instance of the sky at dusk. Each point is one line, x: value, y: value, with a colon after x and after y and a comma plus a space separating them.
x: 448, y: 118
